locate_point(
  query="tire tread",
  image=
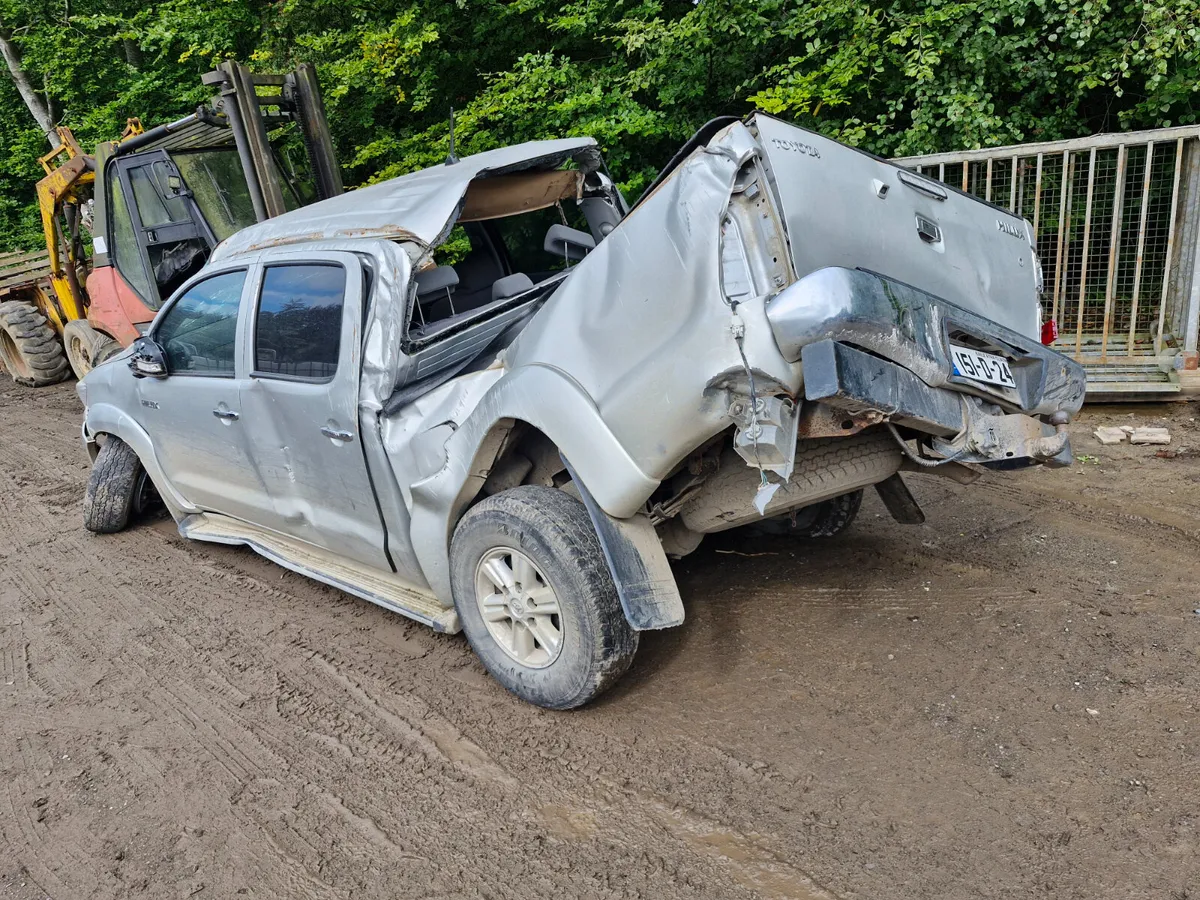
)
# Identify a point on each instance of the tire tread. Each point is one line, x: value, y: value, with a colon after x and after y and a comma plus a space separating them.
x: 109, y: 500
x: 36, y: 342
x: 563, y: 523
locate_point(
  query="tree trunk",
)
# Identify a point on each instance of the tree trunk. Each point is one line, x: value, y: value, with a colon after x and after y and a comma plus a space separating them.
x: 133, y: 53
x: 33, y: 100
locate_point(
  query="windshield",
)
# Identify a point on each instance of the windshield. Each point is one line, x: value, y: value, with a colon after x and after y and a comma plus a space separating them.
x: 219, y: 188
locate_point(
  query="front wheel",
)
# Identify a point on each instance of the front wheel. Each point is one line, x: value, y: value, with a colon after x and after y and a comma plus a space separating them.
x: 536, y: 599
x: 117, y: 489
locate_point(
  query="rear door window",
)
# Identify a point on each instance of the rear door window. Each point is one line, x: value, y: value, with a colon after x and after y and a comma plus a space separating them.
x: 199, y: 331
x: 298, y: 329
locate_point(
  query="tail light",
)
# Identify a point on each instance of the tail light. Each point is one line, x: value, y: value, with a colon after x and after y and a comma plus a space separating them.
x: 1049, y: 332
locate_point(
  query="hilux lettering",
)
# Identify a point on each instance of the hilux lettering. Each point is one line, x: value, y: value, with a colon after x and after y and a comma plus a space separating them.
x: 1010, y: 229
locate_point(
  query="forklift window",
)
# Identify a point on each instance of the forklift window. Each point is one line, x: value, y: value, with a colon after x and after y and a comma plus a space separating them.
x: 218, y: 186
x: 123, y: 245
x: 155, y: 205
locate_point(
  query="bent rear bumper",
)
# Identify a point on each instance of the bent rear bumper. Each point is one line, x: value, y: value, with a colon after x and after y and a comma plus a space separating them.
x: 879, y: 350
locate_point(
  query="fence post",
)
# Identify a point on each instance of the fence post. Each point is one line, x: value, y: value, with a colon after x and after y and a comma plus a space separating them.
x: 1188, y: 316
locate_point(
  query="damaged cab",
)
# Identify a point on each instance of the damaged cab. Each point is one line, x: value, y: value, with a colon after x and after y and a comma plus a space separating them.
x: 491, y: 397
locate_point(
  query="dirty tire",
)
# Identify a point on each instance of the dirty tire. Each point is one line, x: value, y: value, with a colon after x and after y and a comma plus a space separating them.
x: 112, y: 489
x: 832, y: 517
x: 821, y: 520
x: 29, y: 349
x: 554, y: 531
x: 86, y: 347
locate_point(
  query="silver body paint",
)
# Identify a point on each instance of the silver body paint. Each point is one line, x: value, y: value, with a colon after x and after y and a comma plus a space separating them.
x: 760, y: 249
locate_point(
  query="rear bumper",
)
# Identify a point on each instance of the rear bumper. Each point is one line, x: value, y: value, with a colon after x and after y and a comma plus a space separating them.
x: 879, y: 350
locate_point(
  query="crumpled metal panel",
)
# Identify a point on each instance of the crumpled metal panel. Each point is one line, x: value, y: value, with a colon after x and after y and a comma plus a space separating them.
x: 421, y: 206
x: 643, y: 326
x: 844, y: 207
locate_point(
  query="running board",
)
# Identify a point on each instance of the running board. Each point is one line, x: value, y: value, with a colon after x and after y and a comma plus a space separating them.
x: 378, y: 587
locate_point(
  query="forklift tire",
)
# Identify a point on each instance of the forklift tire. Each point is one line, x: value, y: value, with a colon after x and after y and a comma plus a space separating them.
x: 29, y: 348
x: 113, y: 488
x: 86, y: 347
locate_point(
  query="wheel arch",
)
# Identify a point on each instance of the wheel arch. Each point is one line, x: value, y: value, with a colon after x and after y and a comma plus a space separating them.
x: 534, y: 403
x: 104, y: 420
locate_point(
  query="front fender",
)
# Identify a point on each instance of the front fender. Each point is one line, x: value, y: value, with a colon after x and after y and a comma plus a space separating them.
x: 105, y: 418
x: 551, y: 401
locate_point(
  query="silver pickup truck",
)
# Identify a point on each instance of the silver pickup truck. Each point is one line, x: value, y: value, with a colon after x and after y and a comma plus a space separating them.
x: 492, y: 397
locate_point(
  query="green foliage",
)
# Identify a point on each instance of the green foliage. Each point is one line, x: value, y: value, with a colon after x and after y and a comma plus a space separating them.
x: 895, y: 77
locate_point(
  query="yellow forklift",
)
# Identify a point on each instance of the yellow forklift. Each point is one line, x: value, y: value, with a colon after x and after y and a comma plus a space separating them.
x: 155, y: 203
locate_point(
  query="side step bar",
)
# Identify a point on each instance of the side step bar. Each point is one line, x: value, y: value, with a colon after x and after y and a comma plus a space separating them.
x: 382, y: 588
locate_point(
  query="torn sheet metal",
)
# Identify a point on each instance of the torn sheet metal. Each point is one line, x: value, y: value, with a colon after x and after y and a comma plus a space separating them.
x: 419, y: 207
x: 642, y: 324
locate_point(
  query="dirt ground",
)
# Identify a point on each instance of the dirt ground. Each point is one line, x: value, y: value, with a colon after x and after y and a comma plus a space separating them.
x: 999, y: 703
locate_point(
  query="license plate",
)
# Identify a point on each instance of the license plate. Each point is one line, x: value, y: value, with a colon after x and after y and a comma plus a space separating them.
x: 979, y: 366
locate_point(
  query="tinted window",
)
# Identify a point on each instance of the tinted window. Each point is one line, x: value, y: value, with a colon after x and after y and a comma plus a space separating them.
x: 199, y: 331
x: 299, y: 323
x: 155, y: 206
x: 122, y: 245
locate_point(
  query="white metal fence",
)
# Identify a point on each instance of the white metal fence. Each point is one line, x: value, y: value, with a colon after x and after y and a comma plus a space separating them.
x: 1117, y: 217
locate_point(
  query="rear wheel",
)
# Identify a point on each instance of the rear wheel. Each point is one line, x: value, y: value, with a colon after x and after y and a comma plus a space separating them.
x: 29, y: 349
x: 86, y: 347
x: 117, y: 488
x: 536, y: 599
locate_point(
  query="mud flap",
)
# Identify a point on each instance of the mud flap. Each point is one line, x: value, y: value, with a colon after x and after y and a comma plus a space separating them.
x: 639, y: 566
x: 899, y: 501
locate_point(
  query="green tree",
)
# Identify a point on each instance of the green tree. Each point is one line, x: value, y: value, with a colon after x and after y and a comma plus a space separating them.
x: 901, y: 76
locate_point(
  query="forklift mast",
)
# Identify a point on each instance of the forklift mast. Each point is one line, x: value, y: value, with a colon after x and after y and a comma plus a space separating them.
x: 298, y: 99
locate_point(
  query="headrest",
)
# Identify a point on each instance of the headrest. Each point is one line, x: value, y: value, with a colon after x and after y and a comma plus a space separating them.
x: 441, y: 278
x: 569, y: 242
x: 511, y: 285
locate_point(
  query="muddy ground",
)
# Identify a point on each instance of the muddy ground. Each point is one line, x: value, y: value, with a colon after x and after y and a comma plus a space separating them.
x: 999, y: 703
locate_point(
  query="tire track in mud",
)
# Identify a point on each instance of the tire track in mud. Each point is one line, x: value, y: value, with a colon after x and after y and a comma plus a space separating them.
x: 253, y: 729
x: 188, y: 669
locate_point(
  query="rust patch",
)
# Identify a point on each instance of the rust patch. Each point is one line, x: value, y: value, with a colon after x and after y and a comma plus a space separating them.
x: 821, y: 420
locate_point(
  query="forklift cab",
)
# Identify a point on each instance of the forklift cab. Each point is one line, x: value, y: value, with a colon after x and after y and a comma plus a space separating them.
x: 167, y: 197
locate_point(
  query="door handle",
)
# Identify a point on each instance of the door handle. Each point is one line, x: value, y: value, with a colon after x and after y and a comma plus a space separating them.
x: 330, y: 432
x: 225, y: 414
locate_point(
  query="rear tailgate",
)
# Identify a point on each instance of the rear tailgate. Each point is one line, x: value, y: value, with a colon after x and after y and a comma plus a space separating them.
x: 919, y: 231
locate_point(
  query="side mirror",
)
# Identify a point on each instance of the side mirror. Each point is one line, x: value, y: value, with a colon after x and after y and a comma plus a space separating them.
x: 148, y: 359
x: 569, y: 242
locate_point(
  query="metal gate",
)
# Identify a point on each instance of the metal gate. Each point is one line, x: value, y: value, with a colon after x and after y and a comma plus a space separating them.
x: 1117, y: 218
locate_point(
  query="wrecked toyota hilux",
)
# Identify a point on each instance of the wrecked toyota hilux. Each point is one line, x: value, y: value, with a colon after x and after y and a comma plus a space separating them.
x: 436, y: 394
